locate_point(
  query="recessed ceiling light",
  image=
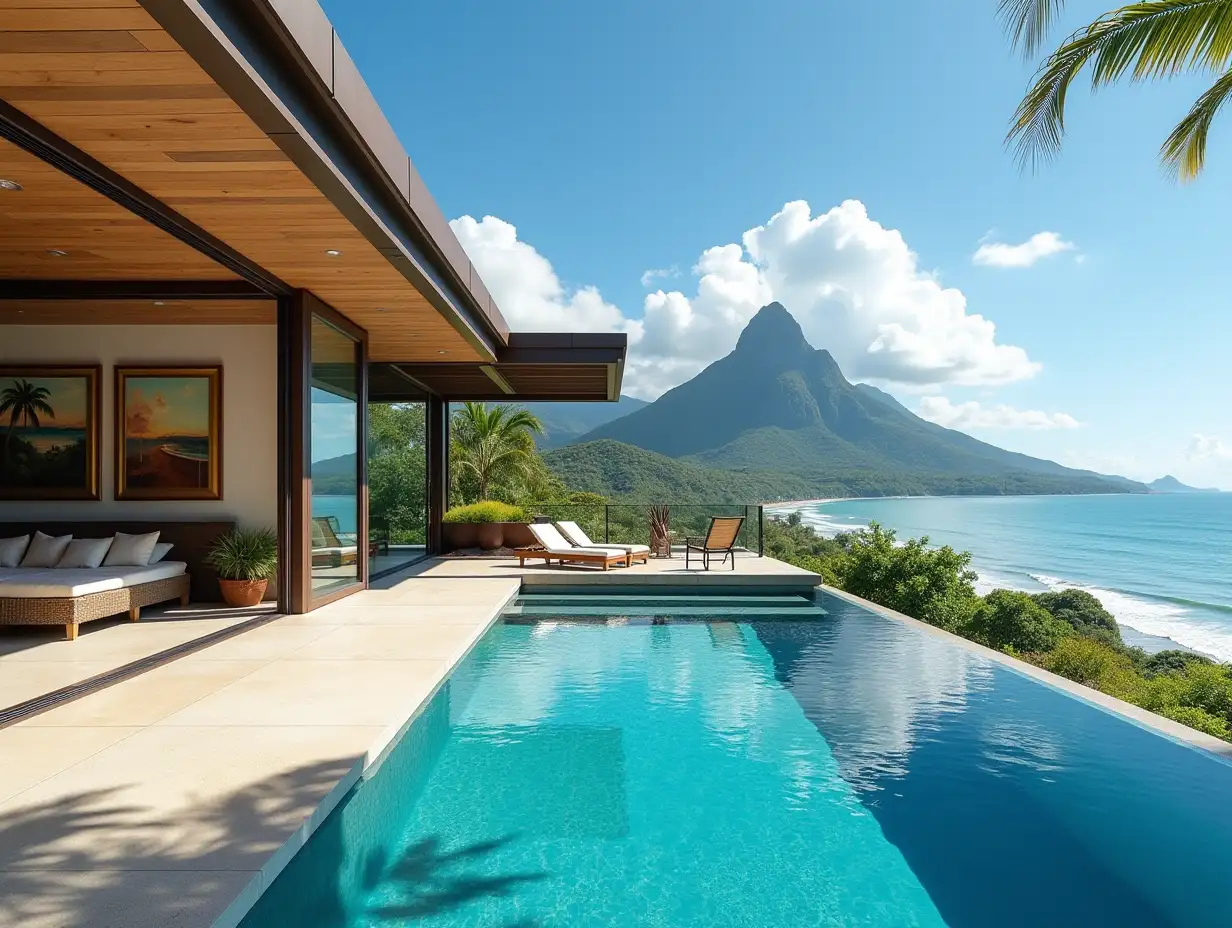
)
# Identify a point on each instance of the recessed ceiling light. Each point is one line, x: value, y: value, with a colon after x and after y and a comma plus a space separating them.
x: 380, y: 309
x: 442, y: 351
x: 333, y: 252
x: 57, y: 253
x: 9, y: 184
x: 159, y: 303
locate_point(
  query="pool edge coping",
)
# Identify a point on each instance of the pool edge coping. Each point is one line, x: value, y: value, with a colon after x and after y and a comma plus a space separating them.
x: 1143, y: 718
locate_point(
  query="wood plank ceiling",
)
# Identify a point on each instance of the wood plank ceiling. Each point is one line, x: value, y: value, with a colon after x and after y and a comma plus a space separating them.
x: 103, y: 75
x: 138, y: 312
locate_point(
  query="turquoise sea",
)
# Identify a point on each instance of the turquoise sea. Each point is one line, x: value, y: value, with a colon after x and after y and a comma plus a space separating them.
x: 1162, y: 564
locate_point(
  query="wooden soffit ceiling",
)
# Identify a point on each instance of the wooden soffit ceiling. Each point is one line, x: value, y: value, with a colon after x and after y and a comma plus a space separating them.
x: 106, y: 77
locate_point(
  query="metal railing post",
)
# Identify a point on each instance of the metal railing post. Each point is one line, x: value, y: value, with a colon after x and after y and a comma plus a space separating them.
x: 761, y: 527
x: 606, y: 507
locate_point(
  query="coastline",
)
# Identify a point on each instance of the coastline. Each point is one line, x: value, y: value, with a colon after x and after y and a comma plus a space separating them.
x: 1151, y: 642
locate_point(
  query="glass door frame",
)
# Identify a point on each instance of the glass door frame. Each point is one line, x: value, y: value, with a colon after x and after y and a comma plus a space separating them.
x: 295, y: 319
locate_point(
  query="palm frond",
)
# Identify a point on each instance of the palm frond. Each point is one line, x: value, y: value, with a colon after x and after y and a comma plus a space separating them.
x: 1144, y: 40
x: 1184, y: 151
x: 1028, y: 22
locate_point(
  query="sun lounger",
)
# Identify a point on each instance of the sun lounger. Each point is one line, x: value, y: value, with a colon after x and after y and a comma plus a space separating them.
x: 576, y: 535
x: 556, y: 547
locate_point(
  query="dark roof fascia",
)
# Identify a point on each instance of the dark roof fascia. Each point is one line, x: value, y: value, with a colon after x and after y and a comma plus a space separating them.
x: 283, y: 64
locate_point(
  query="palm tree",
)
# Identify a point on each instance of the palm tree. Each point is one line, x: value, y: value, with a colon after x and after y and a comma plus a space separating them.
x: 494, y: 444
x: 23, y: 401
x: 1151, y: 39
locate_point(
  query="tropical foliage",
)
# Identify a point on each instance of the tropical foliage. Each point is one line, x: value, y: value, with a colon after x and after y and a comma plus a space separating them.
x: 488, y: 510
x: 1148, y: 40
x: 492, y: 452
x: 245, y: 554
x: 23, y: 401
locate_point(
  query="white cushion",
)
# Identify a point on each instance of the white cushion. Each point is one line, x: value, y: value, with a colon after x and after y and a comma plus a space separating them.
x: 22, y: 583
x: 131, y: 550
x: 45, y: 551
x: 84, y: 552
x: 12, y: 550
x: 161, y: 550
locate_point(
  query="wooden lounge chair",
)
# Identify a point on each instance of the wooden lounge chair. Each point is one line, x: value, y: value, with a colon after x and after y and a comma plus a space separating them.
x: 724, y: 530
x: 555, y: 546
x: 575, y: 534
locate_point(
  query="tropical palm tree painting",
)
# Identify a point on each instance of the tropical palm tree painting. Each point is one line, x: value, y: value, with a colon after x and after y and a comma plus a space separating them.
x: 49, y: 432
x: 168, y: 433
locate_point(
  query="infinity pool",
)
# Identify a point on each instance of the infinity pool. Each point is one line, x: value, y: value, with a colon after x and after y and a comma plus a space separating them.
x: 757, y: 760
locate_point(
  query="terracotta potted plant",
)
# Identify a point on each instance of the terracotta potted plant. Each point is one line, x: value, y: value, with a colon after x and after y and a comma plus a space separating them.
x: 482, y: 524
x: 245, y: 559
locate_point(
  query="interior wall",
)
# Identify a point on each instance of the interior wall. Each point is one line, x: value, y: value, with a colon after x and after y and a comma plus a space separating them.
x: 249, y: 358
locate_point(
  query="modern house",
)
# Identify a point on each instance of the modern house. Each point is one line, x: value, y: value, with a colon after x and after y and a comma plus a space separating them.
x: 207, y: 189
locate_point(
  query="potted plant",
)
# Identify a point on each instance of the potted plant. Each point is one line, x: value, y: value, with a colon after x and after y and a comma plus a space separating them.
x: 481, y: 524
x: 245, y: 559
x: 660, y: 530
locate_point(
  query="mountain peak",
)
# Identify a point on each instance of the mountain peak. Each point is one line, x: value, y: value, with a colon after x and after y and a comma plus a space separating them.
x: 772, y: 327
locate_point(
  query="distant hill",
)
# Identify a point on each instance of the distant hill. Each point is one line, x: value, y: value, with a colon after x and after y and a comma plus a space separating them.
x: 776, y: 403
x: 334, y: 476
x: 566, y: 422
x: 1169, y: 484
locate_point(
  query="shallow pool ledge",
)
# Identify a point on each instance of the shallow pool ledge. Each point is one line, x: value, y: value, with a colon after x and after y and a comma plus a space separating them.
x: 1138, y: 716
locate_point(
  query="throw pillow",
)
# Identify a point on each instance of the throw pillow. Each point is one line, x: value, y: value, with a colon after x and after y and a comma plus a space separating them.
x: 45, y: 551
x: 131, y: 550
x: 12, y: 549
x: 161, y: 550
x: 85, y: 552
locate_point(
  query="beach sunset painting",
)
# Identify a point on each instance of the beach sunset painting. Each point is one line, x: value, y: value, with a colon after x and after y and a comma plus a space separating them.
x: 49, y: 432
x: 168, y: 433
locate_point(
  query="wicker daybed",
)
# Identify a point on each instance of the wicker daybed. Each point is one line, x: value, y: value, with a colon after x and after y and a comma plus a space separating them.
x: 99, y: 596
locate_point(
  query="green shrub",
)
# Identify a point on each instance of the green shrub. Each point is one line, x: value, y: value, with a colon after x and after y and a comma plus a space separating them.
x: 1172, y: 661
x: 488, y: 510
x: 1082, y: 612
x: 1012, y: 620
x: 1093, y: 663
x: 245, y: 554
x: 1198, y: 718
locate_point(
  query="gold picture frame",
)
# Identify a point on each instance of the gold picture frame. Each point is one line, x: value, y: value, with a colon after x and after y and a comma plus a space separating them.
x: 168, y: 432
x: 50, y: 427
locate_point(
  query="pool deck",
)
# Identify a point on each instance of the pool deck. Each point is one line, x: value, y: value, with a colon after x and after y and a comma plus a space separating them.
x: 173, y: 798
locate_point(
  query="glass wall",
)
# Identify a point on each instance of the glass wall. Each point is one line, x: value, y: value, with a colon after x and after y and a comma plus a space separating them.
x: 397, y: 485
x: 334, y: 444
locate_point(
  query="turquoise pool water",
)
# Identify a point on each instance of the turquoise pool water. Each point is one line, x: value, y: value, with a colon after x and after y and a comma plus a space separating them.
x: 748, y: 761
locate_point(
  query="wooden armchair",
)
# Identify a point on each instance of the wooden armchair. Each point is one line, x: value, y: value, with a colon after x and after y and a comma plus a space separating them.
x: 724, y: 530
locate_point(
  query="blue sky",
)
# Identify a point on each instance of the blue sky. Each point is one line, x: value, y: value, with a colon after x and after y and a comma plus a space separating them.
x: 628, y: 137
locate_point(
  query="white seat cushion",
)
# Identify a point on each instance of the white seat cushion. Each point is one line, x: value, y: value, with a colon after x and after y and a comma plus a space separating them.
x: 65, y: 582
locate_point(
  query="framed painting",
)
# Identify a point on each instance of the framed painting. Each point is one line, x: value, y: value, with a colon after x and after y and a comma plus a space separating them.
x: 168, y: 432
x: 49, y: 431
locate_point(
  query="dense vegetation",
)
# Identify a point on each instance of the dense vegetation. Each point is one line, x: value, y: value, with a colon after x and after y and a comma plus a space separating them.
x: 1067, y: 632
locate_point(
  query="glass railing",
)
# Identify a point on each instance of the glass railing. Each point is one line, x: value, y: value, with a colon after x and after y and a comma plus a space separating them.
x: 630, y: 523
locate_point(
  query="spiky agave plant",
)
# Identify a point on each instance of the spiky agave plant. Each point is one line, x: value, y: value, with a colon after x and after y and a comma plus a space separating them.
x: 1148, y: 40
x: 245, y: 554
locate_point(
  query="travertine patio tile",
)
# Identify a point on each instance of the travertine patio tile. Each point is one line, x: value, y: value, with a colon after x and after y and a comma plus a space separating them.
x: 269, y: 642
x: 425, y: 639
x: 144, y: 699
x: 33, y: 754
x: 172, y: 798
x: 22, y: 680
x: 121, y: 643
x: 309, y: 692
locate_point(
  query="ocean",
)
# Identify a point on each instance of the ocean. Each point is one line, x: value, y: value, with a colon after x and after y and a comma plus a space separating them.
x: 1162, y: 564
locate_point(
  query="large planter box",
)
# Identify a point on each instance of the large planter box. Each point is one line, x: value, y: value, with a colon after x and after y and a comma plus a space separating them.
x: 462, y: 535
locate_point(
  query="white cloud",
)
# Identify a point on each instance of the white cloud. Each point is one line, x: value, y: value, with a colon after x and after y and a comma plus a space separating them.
x: 855, y: 287
x: 525, y: 286
x: 1207, y: 448
x: 666, y: 273
x: 973, y: 415
x: 1040, y: 245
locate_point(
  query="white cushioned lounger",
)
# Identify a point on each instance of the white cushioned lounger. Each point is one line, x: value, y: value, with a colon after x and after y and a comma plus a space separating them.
x: 556, y: 546
x: 57, y: 582
x: 576, y: 535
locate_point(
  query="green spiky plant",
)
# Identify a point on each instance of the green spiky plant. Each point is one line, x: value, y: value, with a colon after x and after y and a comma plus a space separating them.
x: 1141, y: 41
x: 245, y: 554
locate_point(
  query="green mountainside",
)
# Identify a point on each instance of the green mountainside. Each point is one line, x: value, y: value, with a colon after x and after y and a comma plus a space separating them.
x: 1169, y: 484
x: 567, y: 422
x: 776, y: 407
